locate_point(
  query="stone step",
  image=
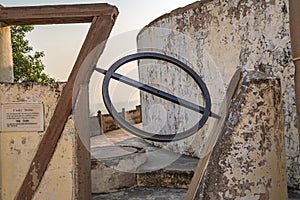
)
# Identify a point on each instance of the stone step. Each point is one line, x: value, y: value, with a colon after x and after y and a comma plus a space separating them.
x: 159, y: 193
x: 142, y: 193
x: 134, y: 162
x: 151, y: 173
x: 176, y: 175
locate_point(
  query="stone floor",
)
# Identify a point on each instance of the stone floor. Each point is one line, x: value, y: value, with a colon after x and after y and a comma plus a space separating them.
x: 111, y: 137
x: 159, y: 194
x: 145, y: 193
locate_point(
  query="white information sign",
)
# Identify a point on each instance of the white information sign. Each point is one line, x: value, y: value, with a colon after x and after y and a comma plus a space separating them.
x: 16, y: 117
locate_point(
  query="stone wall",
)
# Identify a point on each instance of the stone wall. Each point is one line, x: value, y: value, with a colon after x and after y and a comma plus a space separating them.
x: 18, y: 148
x: 248, y: 161
x: 216, y: 37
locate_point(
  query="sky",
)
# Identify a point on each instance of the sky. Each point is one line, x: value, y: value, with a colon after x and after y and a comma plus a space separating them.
x: 61, y: 43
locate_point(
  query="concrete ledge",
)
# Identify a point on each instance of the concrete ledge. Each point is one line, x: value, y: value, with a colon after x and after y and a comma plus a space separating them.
x: 164, y: 178
x: 114, y: 167
x: 106, y: 179
x: 144, y: 194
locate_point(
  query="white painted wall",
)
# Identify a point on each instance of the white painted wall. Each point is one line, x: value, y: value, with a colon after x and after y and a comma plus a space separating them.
x: 217, y: 37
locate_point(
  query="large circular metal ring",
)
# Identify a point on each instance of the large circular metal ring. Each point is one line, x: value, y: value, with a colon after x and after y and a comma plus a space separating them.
x: 144, y: 134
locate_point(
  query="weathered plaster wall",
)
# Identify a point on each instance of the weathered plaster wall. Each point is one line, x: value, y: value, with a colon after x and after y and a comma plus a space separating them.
x: 18, y: 148
x: 216, y: 37
x: 248, y: 161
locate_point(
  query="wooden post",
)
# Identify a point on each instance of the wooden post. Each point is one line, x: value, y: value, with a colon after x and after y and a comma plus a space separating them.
x: 82, y: 143
x: 123, y: 113
x: 100, y: 120
x: 139, y: 110
x: 295, y: 41
x: 87, y: 58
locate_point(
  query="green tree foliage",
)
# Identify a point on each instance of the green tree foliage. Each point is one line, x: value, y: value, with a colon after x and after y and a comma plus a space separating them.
x: 28, y: 66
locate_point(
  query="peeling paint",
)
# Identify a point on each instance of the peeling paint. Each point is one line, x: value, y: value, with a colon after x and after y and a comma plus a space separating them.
x: 216, y: 37
x: 248, y: 162
x: 23, y: 140
x: 34, y: 179
x: 18, y: 148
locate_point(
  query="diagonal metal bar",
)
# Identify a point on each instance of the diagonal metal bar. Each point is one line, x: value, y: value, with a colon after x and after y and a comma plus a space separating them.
x: 157, y: 92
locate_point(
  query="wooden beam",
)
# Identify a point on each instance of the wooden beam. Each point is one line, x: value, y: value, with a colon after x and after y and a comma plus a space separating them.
x: 86, y: 60
x: 56, y: 14
x: 295, y: 42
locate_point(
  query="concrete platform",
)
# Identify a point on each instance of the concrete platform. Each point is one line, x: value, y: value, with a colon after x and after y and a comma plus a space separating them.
x: 157, y: 158
x: 142, y: 193
x: 147, y: 167
x: 153, y: 193
x: 157, y: 178
x: 158, y: 193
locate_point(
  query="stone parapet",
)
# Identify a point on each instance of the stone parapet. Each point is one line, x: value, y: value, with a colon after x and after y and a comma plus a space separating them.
x: 18, y: 148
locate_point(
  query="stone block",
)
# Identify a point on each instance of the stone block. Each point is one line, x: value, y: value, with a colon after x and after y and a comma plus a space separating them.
x: 248, y: 161
x: 106, y: 179
x: 115, y: 167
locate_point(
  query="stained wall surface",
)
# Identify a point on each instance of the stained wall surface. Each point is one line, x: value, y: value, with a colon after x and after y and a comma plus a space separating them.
x: 18, y: 148
x: 216, y: 37
x: 249, y: 161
